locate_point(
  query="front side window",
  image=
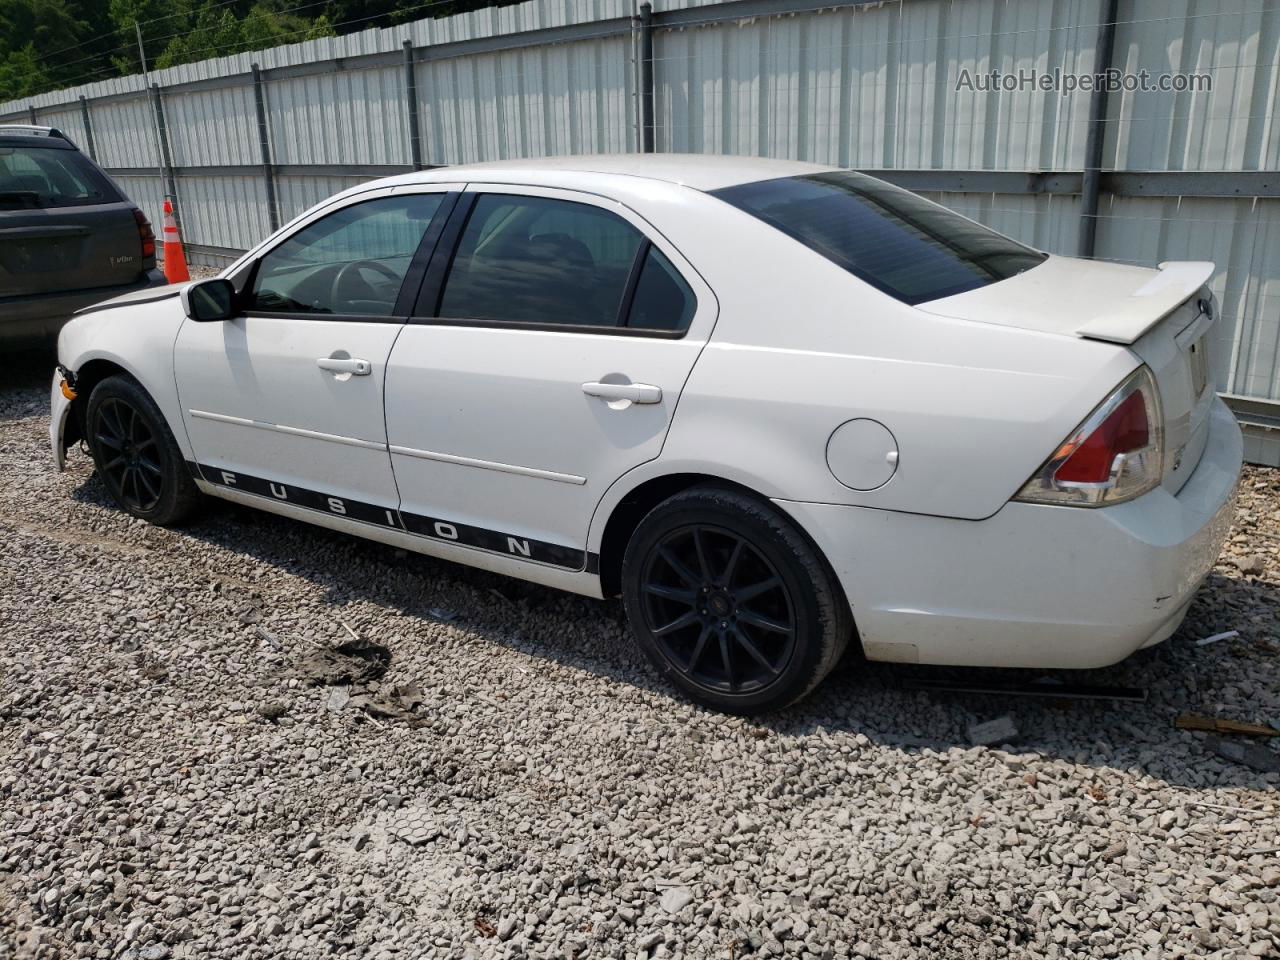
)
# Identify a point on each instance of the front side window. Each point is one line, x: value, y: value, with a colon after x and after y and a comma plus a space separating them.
x: 38, y: 177
x: 909, y: 247
x: 537, y: 260
x: 350, y: 263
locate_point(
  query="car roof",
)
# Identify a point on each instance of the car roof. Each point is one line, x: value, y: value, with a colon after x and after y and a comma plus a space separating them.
x: 699, y: 171
x: 27, y: 135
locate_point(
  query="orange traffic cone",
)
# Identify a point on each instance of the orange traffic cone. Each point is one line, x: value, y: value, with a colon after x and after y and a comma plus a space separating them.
x: 175, y: 261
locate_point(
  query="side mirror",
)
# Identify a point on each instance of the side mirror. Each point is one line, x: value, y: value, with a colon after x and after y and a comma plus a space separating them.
x: 210, y: 300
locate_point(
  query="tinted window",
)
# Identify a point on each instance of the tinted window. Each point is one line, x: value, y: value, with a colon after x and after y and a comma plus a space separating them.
x: 351, y: 262
x: 535, y: 260
x: 663, y: 301
x: 909, y: 247
x: 33, y: 177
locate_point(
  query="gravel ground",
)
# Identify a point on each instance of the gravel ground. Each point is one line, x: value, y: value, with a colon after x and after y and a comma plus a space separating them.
x: 172, y: 786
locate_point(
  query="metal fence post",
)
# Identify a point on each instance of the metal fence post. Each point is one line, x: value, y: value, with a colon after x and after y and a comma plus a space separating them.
x: 166, y: 160
x: 411, y: 104
x: 88, y: 128
x: 264, y: 148
x: 31, y: 112
x: 1095, y: 140
x: 646, y: 77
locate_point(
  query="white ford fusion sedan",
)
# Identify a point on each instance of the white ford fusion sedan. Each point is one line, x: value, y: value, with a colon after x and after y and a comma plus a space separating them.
x: 777, y: 407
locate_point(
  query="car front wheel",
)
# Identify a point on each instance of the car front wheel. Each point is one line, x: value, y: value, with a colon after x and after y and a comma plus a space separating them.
x: 136, y: 455
x: 731, y: 602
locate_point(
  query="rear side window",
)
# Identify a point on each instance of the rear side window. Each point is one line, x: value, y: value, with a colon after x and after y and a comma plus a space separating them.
x: 538, y: 260
x: 38, y: 177
x: 911, y: 248
x: 663, y: 301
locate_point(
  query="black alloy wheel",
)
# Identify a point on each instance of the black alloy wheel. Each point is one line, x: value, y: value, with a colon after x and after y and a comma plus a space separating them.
x: 731, y: 602
x: 719, y: 609
x: 136, y: 454
x: 130, y: 467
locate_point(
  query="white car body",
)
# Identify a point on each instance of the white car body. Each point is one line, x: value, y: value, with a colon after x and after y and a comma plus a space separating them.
x: 485, y: 436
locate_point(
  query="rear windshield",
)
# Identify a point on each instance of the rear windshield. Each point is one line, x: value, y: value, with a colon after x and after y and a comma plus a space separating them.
x: 35, y: 177
x: 909, y: 247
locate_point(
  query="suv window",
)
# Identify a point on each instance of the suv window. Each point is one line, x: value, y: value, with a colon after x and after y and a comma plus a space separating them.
x: 350, y: 263
x: 538, y: 260
x: 909, y: 247
x: 37, y: 177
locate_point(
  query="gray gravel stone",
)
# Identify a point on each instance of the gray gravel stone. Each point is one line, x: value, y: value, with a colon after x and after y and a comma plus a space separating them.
x: 167, y: 783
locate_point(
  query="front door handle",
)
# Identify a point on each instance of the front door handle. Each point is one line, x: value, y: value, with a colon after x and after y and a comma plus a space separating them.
x: 357, y: 368
x: 635, y: 392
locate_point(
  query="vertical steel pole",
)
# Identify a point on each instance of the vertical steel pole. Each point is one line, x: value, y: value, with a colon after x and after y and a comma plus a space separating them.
x: 162, y: 137
x: 31, y: 112
x: 411, y: 104
x: 646, y: 77
x: 166, y: 160
x: 1097, y: 135
x: 264, y: 147
x: 88, y: 128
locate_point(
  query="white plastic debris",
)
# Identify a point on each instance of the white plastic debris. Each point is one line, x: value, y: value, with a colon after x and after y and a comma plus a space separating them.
x: 1216, y: 637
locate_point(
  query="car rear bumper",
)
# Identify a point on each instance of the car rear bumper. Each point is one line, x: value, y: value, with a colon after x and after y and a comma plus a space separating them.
x: 42, y: 315
x: 1034, y: 585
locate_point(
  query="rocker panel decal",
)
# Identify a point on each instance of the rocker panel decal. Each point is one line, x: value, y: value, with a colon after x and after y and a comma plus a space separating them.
x: 433, y: 528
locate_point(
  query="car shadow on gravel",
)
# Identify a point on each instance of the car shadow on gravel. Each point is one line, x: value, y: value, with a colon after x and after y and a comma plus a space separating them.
x: 874, y: 700
x: 26, y: 370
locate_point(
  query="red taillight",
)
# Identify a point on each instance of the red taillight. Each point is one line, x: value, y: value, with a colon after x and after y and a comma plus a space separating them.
x: 145, y: 233
x: 1124, y: 431
x: 1116, y: 454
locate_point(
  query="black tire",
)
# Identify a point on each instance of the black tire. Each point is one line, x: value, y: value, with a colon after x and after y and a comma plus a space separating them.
x: 136, y: 455
x: 734, y: 643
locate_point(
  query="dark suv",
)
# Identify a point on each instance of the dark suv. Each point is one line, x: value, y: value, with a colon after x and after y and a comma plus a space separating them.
x: 69, y: 237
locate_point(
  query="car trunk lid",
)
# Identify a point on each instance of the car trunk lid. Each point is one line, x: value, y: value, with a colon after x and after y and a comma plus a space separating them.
x: 60, y: 249
x: 1163, y: 316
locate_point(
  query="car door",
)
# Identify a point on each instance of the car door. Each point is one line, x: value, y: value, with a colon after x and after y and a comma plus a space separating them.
x: 545, y: 357
x: 285, y: 400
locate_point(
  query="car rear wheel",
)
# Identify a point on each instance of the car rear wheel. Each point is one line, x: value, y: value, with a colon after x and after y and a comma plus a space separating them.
x: 136, y: 455
x: 731, y: 602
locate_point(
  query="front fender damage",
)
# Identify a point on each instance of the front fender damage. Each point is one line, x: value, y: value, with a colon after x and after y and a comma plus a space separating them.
x: 66, y: 420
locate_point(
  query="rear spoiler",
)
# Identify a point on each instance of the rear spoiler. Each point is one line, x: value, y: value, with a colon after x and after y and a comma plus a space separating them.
x: 1177, y: 282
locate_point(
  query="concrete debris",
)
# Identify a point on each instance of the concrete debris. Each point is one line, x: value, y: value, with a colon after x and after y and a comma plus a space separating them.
x: 999, y: 730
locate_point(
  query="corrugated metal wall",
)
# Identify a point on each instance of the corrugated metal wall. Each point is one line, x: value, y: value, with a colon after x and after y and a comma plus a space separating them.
x: 871, y: 85
x: 541, y: 101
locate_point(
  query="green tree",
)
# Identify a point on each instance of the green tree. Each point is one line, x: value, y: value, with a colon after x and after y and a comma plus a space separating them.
x: 217, y: 31
x: 50, y: 44
x: 153, y: 16
x: 22, y: 74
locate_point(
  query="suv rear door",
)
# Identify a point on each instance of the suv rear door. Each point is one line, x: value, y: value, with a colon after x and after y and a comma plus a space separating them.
x: 64, y: 225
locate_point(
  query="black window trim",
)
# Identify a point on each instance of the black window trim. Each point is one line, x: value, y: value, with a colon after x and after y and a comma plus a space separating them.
x: 413, y: 276
x: 432, y: 290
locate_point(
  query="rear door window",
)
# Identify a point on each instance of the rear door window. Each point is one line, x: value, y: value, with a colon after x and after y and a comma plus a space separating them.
x: 909, y: 247
x: 662, y: 301
x: 39, y: 177
x: 537, y: 260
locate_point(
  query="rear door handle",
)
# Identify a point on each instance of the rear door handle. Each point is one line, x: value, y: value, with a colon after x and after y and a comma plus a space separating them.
x: 357, y: 368
x: 635, y: 392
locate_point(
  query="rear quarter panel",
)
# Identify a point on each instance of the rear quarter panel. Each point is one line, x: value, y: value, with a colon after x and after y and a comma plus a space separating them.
x: 801, y: 347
